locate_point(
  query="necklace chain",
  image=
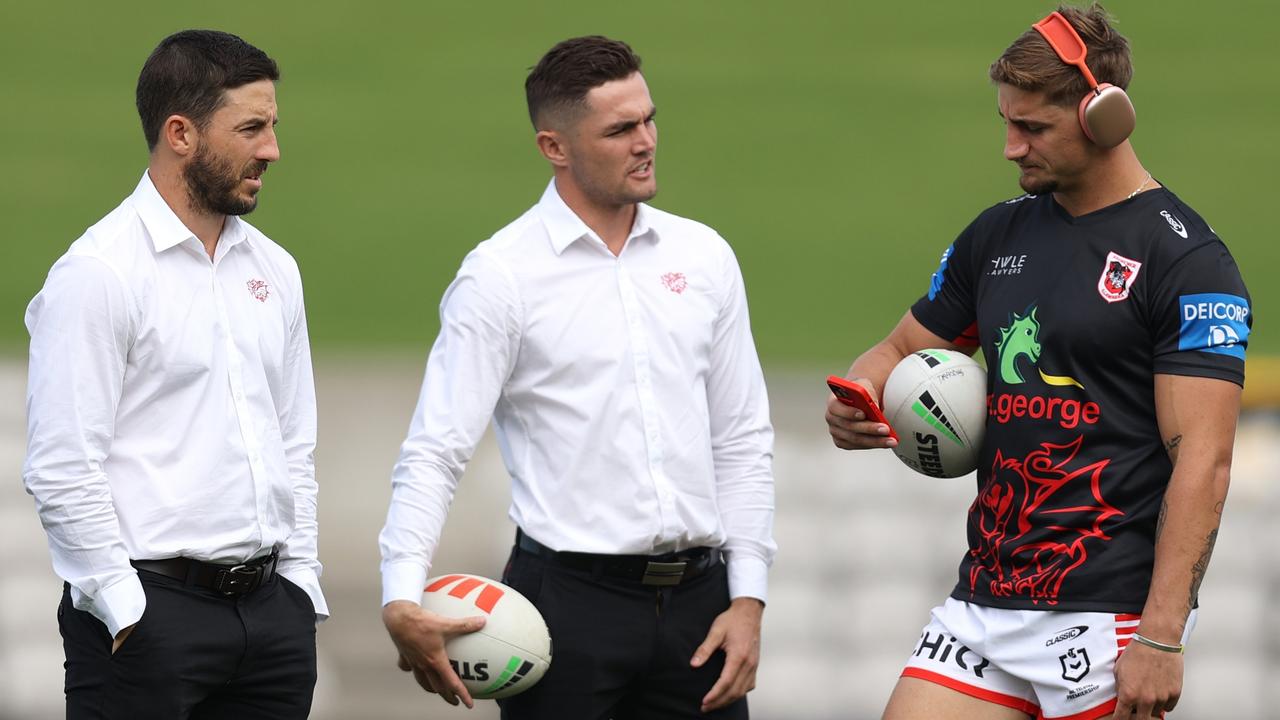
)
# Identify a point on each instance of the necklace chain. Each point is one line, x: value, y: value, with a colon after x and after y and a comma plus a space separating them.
x: 1145, y: 180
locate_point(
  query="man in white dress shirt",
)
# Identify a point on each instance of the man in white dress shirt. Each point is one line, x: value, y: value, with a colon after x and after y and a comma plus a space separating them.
x: 609, y: 342
x: 172, y: 419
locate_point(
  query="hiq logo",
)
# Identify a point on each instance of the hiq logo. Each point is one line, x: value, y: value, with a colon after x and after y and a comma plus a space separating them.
x: 1214, y: 322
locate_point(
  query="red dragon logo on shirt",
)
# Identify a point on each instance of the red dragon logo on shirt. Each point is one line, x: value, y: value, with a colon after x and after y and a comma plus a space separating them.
x: 1021, y: 496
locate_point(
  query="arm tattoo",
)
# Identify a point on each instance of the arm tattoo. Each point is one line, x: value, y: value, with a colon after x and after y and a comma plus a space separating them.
x: 1171, y: 447
x: 1164, y: 509
x: 1197, y: 570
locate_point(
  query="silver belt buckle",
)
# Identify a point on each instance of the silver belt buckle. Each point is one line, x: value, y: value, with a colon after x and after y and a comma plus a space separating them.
x: 238, y: 580
x: 663, y: 573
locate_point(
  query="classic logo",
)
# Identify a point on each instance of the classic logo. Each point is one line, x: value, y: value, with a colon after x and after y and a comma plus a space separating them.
x: 1118, y: 275
x: 259, y: 290
x: 1069, y: 634
x: 1214, y: 323
x: 675, y: 282
x: 1075, y: 664
x: 488, y: 597
x: 1174, y: 223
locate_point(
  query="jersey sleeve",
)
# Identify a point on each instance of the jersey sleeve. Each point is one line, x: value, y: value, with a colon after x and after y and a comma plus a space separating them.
x: 948, y: 309
x: 1201, y: 316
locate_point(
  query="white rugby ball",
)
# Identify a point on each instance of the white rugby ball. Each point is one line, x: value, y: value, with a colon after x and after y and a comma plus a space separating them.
x: 936, y: 401
x: 513, y: 649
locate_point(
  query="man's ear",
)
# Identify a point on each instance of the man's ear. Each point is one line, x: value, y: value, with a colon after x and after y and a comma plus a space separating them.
x: 551, y: 143
x: 180, y: 135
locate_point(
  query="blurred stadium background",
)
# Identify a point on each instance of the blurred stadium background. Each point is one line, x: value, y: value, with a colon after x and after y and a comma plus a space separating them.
x: 839, y: 146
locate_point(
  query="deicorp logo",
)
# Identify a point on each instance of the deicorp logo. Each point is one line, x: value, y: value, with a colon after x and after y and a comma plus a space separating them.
x: 1215, y: 323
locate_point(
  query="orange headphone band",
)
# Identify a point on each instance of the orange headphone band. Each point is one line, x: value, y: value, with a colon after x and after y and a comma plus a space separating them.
x: 1066, y: 42
x: 1106, y: 113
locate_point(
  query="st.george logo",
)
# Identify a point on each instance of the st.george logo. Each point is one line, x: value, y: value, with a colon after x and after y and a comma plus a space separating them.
x: 1021, y: 338
x: 1118, y: 275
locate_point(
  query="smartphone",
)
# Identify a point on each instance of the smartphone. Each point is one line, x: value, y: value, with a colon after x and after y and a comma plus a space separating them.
x: 854, y: 395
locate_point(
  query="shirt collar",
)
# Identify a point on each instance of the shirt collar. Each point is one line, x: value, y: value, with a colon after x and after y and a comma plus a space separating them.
x: 564, y: 227
x: 164, y: 227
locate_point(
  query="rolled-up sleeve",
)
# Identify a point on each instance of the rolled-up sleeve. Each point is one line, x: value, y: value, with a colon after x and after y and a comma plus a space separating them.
x: 82, y: 324
x: 471, y: 360
x: 741, y: 442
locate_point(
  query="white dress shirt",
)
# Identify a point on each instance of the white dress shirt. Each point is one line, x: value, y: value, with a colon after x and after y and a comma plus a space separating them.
x: 170, y: 406
x: 626, y: 394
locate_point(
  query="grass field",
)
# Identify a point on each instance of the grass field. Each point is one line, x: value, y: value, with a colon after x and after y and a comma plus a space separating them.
x: 827, y: 141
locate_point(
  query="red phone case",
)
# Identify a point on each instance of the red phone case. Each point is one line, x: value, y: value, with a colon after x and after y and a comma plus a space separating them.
x: 854, y: 395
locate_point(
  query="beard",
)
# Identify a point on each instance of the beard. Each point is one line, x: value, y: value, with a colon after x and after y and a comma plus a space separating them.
x: 212, y: 183
x: 1037, y: 187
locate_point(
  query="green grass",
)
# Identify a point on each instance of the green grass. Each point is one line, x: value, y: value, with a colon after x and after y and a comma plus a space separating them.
x: 839, y: 146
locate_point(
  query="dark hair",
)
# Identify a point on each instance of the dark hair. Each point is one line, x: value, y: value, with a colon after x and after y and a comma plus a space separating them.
x: 188, y: 73
x: 559, y: 83
x: 1031, y: 64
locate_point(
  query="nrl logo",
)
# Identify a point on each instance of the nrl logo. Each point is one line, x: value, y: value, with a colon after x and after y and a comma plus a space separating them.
x: 1118, y: 275
x: 1075, y: 664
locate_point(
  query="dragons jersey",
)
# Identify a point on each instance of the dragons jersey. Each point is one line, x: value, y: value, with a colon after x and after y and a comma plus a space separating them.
x: 1074, y: 316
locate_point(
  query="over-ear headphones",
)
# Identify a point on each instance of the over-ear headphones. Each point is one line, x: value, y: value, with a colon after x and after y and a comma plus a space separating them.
x: 1106, y: 113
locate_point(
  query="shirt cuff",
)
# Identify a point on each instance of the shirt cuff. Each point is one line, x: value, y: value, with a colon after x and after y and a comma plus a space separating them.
x: 403, y: 581
x: 120, y: 605
x: 306, y: 578
x: 748, y: 577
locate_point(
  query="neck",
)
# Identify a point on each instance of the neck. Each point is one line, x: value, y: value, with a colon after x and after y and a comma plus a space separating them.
x: 612, y: 223
x: 1114, y: 177
x: 171, y: 186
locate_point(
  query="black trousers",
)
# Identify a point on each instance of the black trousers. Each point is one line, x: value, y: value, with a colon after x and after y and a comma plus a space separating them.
x: 195, y: 654
x: 620, y: 649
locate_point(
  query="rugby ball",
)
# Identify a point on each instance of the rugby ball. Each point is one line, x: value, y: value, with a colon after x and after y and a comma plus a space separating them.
x: 513, y: 649
x: 936, y: 400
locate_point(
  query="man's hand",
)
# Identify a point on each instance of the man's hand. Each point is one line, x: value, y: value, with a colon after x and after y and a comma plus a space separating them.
x: 121, y: 637
x: 1148, y: 681
x: 420, y: 635
x: 849, y: 427
x: 737, y: 632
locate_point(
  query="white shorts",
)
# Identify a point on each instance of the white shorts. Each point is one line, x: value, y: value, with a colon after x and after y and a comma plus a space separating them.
x: 1049, y: 664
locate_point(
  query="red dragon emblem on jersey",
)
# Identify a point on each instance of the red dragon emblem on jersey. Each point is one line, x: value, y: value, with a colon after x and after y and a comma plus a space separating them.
x: 259, y: 290
x: 675, y: 282
x: 1020, y: 506
x: 1118, y: 274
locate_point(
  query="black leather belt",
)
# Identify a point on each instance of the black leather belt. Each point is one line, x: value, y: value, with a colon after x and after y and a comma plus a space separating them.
x: 669, y: 569
x: 226, y: 579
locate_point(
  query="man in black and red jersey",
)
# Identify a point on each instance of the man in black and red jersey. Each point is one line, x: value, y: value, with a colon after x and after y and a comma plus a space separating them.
x: 1114, y: 324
